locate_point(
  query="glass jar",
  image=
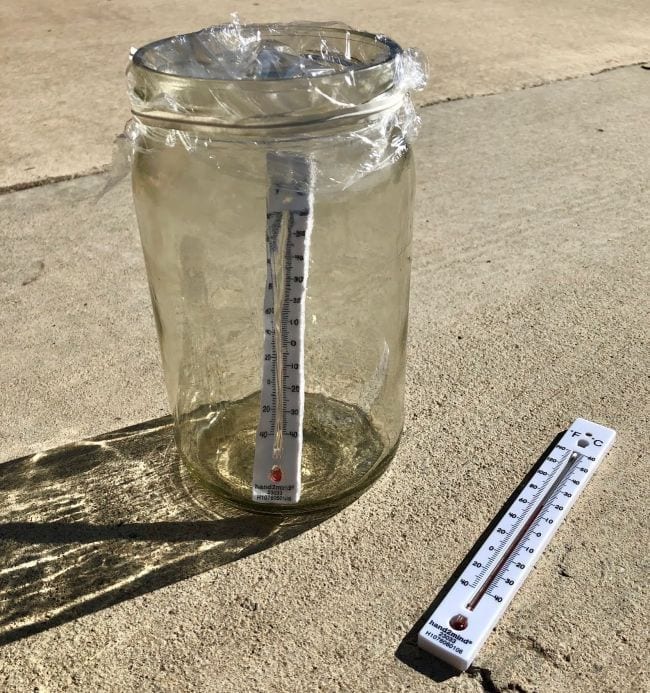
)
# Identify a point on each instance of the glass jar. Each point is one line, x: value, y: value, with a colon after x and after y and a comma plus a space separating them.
x: 229, y: 164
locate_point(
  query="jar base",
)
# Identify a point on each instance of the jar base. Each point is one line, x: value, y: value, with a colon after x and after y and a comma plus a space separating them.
x: 343, y: 453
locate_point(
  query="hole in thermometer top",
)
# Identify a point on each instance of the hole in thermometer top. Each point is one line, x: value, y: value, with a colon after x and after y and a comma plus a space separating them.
x: 475, y: 602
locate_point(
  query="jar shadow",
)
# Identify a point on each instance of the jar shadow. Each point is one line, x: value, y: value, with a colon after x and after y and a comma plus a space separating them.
x: 100, y: 521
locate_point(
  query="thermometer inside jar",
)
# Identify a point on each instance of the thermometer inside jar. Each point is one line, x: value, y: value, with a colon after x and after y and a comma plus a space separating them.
x: 289, y: 221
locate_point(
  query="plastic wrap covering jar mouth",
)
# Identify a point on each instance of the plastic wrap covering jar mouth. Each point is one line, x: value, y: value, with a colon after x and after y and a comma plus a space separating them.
x: 273, y: 184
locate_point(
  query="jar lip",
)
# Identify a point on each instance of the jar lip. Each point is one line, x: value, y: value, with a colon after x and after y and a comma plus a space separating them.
x: 344, y: 72
x: 391, y: 50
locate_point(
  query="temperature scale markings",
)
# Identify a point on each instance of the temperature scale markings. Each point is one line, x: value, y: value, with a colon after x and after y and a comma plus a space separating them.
x: 515, y: 526
x: 532, y: 515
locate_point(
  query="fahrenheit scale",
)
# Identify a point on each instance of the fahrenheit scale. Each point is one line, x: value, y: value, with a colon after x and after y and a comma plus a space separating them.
x: 476, y: 601
x: 289, y: 221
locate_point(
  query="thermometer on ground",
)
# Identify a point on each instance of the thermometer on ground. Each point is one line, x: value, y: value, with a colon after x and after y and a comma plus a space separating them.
x: 470, y: 610
x: 289, y: 221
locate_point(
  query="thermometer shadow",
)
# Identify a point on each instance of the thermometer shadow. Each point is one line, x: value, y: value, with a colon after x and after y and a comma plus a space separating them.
x: 408, y: 651
x: 100, y: 521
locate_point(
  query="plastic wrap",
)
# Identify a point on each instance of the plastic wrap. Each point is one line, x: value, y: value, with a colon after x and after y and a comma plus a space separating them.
x: 309, y: 88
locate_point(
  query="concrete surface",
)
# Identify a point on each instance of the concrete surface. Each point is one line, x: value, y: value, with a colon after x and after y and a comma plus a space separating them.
x: 63, y: 62
x: 529, y: 308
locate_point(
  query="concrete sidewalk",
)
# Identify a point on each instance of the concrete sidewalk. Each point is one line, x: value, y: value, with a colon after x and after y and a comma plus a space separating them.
x: 529, y: 305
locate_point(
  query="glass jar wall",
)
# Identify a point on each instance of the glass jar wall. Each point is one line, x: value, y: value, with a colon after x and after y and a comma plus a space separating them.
x: 201, y: 191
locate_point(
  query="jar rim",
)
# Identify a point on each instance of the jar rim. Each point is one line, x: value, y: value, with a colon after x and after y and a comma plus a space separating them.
x: 371, y: 84
x: 391, y: 49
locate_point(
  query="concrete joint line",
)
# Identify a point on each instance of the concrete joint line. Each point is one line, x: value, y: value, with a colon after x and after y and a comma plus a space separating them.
x: 542, y: 83
x: 16, y: 187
